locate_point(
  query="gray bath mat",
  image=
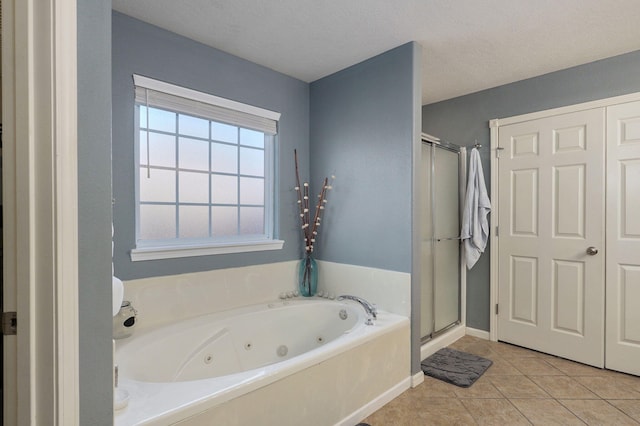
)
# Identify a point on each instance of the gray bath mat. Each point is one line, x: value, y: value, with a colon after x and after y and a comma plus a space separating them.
x: 455, y: 367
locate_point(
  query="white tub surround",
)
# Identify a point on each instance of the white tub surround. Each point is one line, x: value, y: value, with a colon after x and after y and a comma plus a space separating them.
x: 167, y: 299
x: 342, y: 390
x: 161, y: 300
x: 389, y: 290
x: 229, y: 368
x: 338, y: 382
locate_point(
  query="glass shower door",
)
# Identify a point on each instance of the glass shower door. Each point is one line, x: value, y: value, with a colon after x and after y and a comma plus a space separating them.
x: 446, y: 210
x: 440, y: 245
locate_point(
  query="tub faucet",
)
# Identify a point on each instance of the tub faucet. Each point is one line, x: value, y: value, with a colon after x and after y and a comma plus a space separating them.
x: 372, y: 311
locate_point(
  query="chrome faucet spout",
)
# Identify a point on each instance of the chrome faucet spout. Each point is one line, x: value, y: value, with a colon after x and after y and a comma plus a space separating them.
x: 371, y: 310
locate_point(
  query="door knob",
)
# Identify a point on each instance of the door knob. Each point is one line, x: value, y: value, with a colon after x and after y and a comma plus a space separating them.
x: 591, y: 251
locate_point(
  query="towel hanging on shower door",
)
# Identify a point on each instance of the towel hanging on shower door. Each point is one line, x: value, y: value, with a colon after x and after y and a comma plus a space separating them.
x: 475, y: 225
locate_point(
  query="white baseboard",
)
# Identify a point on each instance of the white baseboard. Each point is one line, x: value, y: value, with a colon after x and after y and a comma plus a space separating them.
x: 373, y: 406
x: 416, y: 379
x: 433, y: 345
x: 481, y: 334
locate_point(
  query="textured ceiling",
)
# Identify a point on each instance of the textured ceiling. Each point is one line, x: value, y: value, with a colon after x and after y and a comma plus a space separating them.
x: 468, y: 45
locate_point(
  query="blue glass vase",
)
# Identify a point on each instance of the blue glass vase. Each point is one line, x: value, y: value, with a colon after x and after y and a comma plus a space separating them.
x: 308, y: 276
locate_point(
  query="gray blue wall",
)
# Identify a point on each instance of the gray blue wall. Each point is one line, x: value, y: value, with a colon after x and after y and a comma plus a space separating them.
x: 94, y: 211
x: 365, y: 124
x: 144, y: 49
x: 362, y: 131
x: 464, y: 119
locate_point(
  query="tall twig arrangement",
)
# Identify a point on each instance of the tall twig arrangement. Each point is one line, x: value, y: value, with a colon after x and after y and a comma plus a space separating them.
x: 310, y: 222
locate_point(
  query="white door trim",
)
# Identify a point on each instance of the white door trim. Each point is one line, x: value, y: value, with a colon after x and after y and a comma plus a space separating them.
x: 40, y: 204
x: 632, y: 97
x: 622, y: 243
x: 493, y: 238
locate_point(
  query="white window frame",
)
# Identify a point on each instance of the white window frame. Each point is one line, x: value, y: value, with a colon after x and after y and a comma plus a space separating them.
x: 235, y: 113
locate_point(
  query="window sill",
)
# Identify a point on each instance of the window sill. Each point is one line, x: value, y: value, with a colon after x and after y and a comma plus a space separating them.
x: 171, y: 252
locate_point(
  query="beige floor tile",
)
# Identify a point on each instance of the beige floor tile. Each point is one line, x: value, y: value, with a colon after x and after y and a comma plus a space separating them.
x: 395, y: 414
x: 483, y: 379
x: 597, y: 412
x: 480, y: 389
x: 545, y: 412
x: 631, y: 407
x: 459, y: 346
x: 409, y: 411
x: 408, y: 399
x: 386, y: 415
x: 481, y: 349
x: 571, y: 368
x: 434, y: 388
x: 508, y: 351
x: 472, y: 339
x: 494, y: 412
x: 619, y: 375
x: 518, y: 387
x: 403, y: 410
x: 462, y: 343
x: 563, y: 387
x: 536, y: 367
x: 607, y: 387
x: 444, y: 412
x: 544, y: 356
x: 627, y: 379
x: 542, y: 389
x: 502, y: 367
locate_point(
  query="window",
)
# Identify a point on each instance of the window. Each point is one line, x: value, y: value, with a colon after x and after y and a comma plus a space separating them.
x: 205, y: 173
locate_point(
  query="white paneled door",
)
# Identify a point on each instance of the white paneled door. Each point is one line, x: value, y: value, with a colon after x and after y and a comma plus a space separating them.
x: 551, y: 269
x: 623, y: 238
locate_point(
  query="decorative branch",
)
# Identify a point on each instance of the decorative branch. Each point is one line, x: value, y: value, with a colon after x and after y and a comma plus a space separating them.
x: 309, y: 229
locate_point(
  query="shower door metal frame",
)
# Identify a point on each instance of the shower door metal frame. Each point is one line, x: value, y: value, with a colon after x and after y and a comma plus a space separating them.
x: 461, y: 152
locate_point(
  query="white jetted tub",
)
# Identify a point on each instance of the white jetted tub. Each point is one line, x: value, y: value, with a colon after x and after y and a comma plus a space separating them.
x: 271, y: 363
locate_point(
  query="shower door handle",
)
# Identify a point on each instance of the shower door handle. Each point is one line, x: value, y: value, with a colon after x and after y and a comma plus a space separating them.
x: 448, y: 239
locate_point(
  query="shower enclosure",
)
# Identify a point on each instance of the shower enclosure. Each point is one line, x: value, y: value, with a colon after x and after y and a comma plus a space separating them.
x: 443, y: 177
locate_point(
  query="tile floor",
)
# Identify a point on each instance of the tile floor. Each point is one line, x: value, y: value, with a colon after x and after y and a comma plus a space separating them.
x: 522, y: 387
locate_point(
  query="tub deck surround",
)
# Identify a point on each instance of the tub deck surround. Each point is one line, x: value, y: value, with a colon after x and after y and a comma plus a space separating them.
x: 343, y: 362
x: 171, y: 298
x: 166, y: 299
x: 389, y: 290
x: 341, y: 391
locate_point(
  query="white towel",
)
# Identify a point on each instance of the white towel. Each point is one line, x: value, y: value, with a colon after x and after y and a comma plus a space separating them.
x: 475, y: 226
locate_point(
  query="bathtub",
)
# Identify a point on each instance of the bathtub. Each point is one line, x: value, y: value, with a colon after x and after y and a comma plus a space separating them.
x: 286, y: 362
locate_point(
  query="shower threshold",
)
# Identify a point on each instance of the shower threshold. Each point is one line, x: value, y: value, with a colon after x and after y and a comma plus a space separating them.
x: 440, y: 332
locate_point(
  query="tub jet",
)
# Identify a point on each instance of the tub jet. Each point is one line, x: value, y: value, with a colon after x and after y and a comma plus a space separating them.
x: 282, y: 350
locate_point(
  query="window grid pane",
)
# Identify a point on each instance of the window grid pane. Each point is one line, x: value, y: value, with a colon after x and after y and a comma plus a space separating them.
x: 157, y: 222
x: 186, y: 149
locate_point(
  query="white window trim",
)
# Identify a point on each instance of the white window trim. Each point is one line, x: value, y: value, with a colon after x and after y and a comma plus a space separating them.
x: 177, y: 251
x: 148, y: 250
x: 172, y: 89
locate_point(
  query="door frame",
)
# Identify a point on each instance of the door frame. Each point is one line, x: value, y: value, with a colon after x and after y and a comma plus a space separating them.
x: 39, y: 82
x: 494, y: 239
